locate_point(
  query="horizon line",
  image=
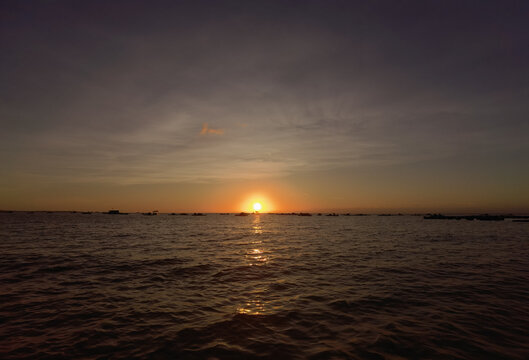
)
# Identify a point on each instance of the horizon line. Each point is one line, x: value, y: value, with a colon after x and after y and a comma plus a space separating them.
x: 339, y: 212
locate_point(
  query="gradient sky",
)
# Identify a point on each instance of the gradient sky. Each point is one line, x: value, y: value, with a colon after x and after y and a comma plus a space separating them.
x: 305, y: 105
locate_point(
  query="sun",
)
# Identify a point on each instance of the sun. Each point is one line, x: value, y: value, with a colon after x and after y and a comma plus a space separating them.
x: 256, y: 203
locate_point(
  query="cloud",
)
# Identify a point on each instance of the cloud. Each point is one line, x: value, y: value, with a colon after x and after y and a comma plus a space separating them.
x: 207, y: 130
x: 324, y: 97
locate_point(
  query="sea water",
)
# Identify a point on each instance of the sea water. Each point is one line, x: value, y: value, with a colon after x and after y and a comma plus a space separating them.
x: 81, y: 286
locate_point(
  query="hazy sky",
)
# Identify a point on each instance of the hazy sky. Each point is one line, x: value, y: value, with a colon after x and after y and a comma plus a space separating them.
x: 305, y: 105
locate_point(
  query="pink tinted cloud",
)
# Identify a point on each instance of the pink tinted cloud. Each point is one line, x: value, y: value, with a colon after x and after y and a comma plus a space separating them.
x: 207, y: 130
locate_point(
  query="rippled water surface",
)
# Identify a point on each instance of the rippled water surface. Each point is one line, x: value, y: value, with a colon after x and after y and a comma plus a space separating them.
x: 81, y: 286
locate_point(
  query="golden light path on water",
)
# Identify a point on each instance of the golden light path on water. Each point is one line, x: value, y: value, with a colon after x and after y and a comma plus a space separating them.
x: 255, y: 255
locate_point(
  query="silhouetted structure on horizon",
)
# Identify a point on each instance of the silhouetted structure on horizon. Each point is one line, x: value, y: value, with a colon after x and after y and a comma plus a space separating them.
x: 483, y: 217
x: 116, y: 212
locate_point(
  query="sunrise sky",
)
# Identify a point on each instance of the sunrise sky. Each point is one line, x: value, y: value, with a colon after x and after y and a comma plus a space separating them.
x: 302, y: 105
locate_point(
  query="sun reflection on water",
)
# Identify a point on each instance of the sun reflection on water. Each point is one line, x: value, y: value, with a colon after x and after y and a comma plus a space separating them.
x: 256, y: 257
x: 256, y: 254
x: 252, y: 307
x: 256, y: 225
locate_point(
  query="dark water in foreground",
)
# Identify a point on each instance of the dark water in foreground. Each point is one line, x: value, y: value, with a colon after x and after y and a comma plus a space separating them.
x: 259, y: 287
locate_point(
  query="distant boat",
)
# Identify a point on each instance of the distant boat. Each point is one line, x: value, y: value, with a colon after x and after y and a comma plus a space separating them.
x: 242, y: 214
x: 152, y: 213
